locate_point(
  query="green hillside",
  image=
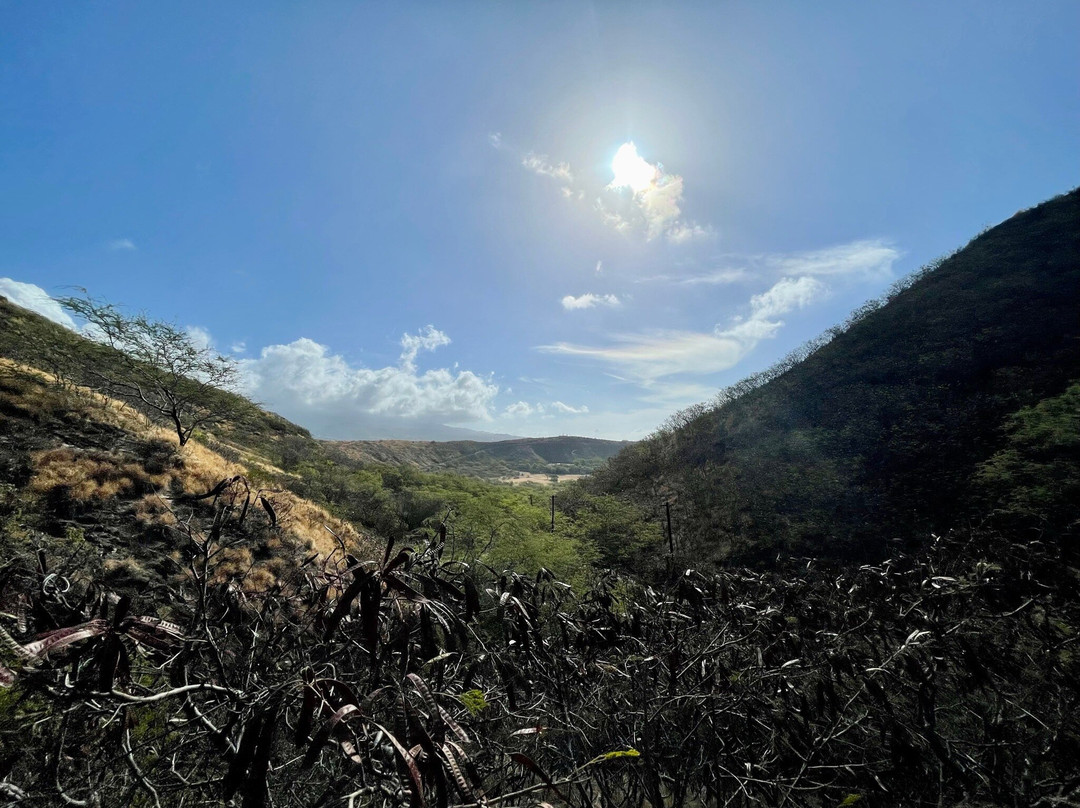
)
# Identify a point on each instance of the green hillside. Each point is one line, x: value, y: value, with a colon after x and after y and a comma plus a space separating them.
x: 490, y: 460
x: 880, y: 429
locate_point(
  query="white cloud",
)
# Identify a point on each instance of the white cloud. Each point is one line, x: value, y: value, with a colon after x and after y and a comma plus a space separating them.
x: 868, y: 258
x: 200, y: 337
x: 541, y: 164
x: 786, y: 295
x: 238, y: 347
x: 35, y: 299
x: 654, y: 355
x: 496, y: 140
x: 521, y: 409
x: 660, y: 204
x: 651, y: 356
x: 589, y: 300
x: 305, y: 382
x: 683, y: 233
x: 427, y: 339
x: 122, y: 244
x: 599, y: 267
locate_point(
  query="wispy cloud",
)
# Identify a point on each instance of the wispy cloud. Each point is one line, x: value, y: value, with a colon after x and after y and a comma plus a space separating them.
x: 869, y: 258
x: 719, y: 277
x: 566, y: 409
x: 496, y: 140
x: 541, y: 164
x: 122, y: 244
x: 34, y: 298
x: 654, y: 355
x: 589, y: 300
x: 865, y: 259
x: 659, y: 354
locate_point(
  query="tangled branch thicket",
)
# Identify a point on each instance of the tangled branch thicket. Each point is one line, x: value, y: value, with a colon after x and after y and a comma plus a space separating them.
x: 949, y: 676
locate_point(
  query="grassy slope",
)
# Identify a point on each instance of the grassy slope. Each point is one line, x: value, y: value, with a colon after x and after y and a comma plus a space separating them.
x: 86, y: 477
x: 880, y: 432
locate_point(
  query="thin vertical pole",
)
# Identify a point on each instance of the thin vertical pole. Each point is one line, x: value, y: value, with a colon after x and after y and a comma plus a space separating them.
x: 670, y: 535
x: 552, y: 513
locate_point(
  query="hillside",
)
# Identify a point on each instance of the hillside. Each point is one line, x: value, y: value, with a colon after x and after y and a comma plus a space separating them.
x: 488, y: 460
x: 883, y: 429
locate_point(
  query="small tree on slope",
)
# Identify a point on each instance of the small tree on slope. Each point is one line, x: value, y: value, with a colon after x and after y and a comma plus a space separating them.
x: 157, y: 366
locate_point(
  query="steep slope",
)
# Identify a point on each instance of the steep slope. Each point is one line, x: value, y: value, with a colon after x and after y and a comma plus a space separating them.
x: 879, y: 432
x: 86, y: 478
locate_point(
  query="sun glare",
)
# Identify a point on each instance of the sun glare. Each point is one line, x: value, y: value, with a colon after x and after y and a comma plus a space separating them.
x: 631, y: 170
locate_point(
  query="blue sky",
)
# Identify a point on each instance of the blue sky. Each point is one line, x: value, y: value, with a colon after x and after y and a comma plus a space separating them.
x: 402, y: 216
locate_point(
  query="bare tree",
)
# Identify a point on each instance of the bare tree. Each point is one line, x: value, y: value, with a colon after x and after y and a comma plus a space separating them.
x: 158, y: 366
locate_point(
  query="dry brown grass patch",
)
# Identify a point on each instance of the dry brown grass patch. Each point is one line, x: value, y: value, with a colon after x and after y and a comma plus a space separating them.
x: 313, y: 525
x: 91, y: 474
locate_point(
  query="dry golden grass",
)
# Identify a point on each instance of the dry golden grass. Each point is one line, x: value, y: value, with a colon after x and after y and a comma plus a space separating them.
x: 153, y: 510
x: 152, y: 484
x: 90, y: 474
x: 313, y: 525
x: 43, y: 393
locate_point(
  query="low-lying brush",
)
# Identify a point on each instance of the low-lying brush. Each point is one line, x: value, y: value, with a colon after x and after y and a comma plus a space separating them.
x: 947, y: 677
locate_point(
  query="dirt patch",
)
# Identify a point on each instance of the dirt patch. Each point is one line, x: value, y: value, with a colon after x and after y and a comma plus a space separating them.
x: 523, y: 477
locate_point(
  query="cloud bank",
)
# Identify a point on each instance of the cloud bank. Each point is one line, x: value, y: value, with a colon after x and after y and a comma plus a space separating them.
x: 34, y: 298
x: 307, y: 383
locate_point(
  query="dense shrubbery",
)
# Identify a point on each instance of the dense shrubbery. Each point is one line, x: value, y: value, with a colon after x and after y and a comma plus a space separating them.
x: 946, y: 677
x: 502, y: 525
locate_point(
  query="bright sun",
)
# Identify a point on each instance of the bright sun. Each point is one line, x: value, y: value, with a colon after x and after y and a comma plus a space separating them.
x: 631, y: 171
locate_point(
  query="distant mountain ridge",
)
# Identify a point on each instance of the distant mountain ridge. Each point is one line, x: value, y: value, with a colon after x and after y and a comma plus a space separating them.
x: 565, y: 454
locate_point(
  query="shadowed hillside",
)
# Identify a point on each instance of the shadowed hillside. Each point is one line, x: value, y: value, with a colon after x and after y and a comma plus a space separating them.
x: 880, y: 431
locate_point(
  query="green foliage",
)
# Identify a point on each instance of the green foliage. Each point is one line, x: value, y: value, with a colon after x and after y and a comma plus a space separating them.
x: 1035, y: 477
x: 474, y: 701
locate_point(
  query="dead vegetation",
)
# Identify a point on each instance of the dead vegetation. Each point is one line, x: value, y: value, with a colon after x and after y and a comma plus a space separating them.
x: 944, y: 678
